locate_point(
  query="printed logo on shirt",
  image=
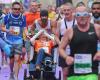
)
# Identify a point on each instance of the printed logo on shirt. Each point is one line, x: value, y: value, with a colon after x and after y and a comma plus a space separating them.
x: 91, y: 33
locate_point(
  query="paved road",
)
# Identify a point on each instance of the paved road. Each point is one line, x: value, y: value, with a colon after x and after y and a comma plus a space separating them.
x: 5, y: 73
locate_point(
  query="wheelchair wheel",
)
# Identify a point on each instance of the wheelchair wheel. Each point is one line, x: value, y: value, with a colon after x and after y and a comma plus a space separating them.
x: 48, y: 75
x: 41, y: 76
x: 59, y: 75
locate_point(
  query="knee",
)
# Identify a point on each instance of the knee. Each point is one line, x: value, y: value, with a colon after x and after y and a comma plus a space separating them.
x: 7, y: 50
x: 17, y: 58
x: 41, y: 51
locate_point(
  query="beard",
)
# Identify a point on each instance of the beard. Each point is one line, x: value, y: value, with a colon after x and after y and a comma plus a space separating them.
x: 44, y: 21
x: 96, y: 15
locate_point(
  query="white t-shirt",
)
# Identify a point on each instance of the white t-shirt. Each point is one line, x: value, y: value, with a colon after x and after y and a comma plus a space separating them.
x: 38, y: 27
x: 69, y: 25
x: 63, y: 29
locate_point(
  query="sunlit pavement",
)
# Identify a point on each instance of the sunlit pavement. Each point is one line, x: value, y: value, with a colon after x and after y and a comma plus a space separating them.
x: 5, y: 73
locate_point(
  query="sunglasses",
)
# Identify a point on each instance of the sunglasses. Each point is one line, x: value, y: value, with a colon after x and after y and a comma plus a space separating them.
x: 82, y: 14
x: 97, y: 19
x: 16, y: 8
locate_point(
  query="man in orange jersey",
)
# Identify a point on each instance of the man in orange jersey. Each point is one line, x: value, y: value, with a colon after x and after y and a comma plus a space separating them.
x: 33, y: 13
x: 31, y: 16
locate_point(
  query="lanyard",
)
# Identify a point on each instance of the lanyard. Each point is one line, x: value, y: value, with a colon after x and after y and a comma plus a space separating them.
x: 66, y: 23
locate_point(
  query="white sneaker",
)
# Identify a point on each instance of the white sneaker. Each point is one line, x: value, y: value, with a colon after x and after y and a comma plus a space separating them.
x: 5, y: 65
x: 11, y: 76
x: 16, y: 78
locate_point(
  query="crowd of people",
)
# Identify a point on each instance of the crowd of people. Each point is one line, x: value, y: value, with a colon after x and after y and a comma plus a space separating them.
x: 74, y: 31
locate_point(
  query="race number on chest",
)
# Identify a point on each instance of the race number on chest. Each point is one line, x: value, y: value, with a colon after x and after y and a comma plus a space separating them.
x: 83, y: 63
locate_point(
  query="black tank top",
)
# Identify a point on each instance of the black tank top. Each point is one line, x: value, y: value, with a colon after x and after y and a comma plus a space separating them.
x: 84, y: 42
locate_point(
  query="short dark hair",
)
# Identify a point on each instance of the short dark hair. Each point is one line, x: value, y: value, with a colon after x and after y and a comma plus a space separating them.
x: 44, y: 13
x: 94, y: 4
x: 14, y: 3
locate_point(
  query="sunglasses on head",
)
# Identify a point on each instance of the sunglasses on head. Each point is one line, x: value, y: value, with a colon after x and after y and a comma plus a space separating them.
x: 16, y: 8
x: 81, y: 14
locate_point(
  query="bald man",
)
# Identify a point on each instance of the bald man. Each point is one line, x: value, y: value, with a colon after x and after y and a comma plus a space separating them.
x: 82, y: 39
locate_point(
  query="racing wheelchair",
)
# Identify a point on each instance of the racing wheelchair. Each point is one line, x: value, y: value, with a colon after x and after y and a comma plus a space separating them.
x: 48, y: 64
x: 47, y: 69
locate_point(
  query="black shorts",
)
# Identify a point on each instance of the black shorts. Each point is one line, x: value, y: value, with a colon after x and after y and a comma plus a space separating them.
x: 62, y: 62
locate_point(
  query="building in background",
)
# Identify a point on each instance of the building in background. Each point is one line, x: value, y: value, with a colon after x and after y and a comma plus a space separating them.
x: 45, y: 3
x: 60, y: 2
x: 88, y: 3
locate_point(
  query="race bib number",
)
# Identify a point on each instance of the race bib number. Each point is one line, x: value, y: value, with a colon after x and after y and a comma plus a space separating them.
x: 16, y: 29
x: 83, y: 63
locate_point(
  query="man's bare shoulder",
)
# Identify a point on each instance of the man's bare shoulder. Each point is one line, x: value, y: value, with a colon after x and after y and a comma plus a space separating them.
x: 53, y: 23
x: 97, y: 29
x: 53, y: 20
x: 26, y: 13
x: 97, y: 26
